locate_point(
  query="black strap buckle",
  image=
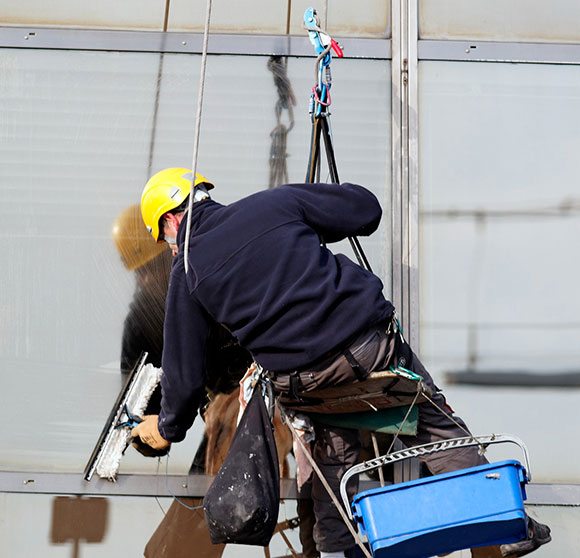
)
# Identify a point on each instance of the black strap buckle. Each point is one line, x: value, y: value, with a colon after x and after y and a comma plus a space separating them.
x: 295, y: 386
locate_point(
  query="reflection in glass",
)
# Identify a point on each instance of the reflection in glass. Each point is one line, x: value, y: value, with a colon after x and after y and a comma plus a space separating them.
x: 80, y: 133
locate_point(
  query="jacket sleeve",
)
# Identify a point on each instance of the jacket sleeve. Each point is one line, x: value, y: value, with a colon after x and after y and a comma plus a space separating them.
x: 338, y: 211
x: 185, y: 334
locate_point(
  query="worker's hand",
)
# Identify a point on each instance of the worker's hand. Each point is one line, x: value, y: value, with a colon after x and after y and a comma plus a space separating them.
x: 147, y: 432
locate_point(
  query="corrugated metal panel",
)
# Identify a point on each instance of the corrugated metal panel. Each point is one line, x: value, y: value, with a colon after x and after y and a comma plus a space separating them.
x: 500, y: 20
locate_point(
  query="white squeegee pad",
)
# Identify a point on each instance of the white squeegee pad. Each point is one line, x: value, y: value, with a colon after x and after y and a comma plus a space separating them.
x: 119, y: 438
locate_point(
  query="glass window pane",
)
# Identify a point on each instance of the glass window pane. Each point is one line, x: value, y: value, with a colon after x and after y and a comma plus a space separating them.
x: 365, y: 18
x: 499, y: 221
x: 500, y: 20
x: 80, y: 134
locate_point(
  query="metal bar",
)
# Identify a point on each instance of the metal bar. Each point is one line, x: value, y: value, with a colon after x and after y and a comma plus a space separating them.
x: 488, y: 51
x: 160, y: 485
x: 188, y: 43
x: 195, y: 486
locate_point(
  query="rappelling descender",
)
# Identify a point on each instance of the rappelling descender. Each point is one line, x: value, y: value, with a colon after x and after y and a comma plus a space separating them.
x: 323, y: 44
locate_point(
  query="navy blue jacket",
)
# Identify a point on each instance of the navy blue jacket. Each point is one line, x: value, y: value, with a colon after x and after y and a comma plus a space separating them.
x: 257, y: 266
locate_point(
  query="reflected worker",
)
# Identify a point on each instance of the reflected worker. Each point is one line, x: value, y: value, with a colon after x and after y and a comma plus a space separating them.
x: 226, y: 362
x: 151, y: 262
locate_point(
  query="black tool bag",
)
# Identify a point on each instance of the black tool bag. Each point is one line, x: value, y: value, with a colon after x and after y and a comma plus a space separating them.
x: 241, y: 506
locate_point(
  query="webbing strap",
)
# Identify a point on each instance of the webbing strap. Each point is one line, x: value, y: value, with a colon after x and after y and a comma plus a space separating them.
x: 359, y: 372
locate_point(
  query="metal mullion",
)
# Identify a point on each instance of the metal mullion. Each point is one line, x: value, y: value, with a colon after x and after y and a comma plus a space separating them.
x: 396, y: 165
x: 404, y: 187
x: 400, y: 473
x: 405, y: 195
x: 404, y: 48
x: 412, y: 163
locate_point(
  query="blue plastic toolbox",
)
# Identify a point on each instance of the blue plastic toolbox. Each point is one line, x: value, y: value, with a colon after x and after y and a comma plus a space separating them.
x: 479, y: 506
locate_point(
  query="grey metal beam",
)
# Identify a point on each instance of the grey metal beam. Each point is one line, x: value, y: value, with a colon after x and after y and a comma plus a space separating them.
x: 189, y: 43
x: 195, y: 486
x: 488, y: 51
x: 126, y: 485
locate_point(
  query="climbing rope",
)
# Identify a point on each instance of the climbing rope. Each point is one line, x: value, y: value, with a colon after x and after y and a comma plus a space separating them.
x: 197, y: 128
x: 482, y: 446
x: 403, y: 422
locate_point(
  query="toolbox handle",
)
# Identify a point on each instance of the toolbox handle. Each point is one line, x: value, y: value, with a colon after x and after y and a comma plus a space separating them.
x: 425, y: 449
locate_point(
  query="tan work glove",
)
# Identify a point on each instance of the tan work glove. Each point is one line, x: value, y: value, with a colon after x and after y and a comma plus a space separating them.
x: 148, y: 432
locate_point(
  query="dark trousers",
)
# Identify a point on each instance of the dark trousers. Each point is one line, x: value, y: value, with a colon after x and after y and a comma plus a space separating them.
x: 337, y: 449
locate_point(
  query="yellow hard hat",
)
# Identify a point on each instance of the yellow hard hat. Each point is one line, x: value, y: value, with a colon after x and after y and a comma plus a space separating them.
x: 133, y: 242
x: 165, y: 191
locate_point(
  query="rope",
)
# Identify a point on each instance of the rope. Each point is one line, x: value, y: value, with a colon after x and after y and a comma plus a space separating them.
x: 378, y: 454
x: 482, y: 447
x: 325, y: 15
x: 289, y: 544
x: 396, y: 436
x: 191, y: 508
x: 197, y: 129
x: 324, y: 482
x: 419, y: 391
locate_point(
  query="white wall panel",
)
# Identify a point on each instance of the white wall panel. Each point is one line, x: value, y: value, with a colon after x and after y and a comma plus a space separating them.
x: 500, y: 219
x: 500, y: 20
x: 104, y: 14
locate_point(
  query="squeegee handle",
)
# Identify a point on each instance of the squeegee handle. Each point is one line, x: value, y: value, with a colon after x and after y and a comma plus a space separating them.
x: 132, y: 420
x: 425, y: 449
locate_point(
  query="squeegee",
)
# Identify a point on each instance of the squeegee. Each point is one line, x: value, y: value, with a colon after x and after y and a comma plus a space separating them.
x: 125, y: 415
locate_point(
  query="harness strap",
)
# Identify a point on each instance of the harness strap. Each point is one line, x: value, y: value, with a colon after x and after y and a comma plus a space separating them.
x: 358, y: 370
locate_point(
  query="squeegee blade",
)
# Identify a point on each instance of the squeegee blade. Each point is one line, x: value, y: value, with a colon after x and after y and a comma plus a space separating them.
x: 112, y: 442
